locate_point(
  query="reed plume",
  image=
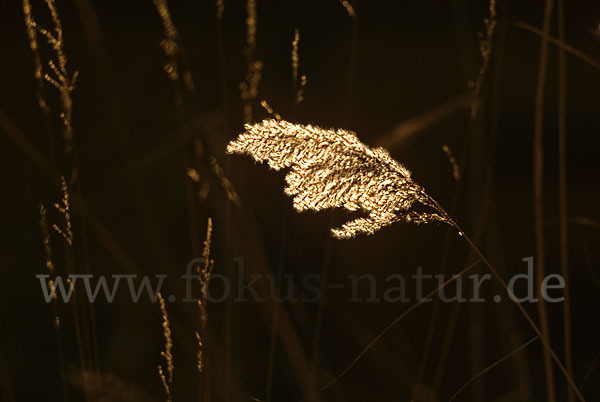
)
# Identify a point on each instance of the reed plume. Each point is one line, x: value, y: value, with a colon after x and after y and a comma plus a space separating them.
x: 64, y: 207
x: 249, y: 87
x: 170, y: 42
x: 204, y: 271
x: 265, y: 105
x: 166, y: 378
x: 349, y: 8
x: 62, y: 79
x: 299, y: 82
x: 333, y: 169
x: 46, y: 239
x: 486, y: 44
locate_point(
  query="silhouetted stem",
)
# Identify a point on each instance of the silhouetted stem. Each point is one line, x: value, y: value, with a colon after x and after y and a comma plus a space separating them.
x: 491, y: 366
x: 538, y: 192
x: 494, y: 272
x: 544, y: 341
x: 390, y: 326
x: 562, y: 198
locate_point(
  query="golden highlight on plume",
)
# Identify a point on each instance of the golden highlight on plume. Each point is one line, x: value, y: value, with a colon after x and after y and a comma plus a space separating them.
x: 225, y: 182
x: 348, y: 7
x: 204, y: 272
x: 177, y: 72
x: 220, y: 9
x: 269, y: 109
x: 46, y: 239
x: 199, y: 353
x: 170, y: 42
x: 486, y: 43
x: 31, y: 28
x: 295, y: 57
x: 166, y: 379
x: 249, y: 87
x: 64, y: 207
x: 333, y: 169
x: 298, y: 85
x: 62, y: 80
x: 452, y: 160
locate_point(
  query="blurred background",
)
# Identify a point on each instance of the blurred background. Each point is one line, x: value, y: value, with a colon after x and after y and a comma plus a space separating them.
x: 397, y: 74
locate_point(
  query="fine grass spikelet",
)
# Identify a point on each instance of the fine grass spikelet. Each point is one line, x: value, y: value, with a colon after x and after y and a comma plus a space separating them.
x: 166, y: 378
x: 64, y: 207
x: 333, y: 169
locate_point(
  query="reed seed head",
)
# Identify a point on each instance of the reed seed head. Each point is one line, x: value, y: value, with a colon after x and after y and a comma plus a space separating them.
x: 333, y: 169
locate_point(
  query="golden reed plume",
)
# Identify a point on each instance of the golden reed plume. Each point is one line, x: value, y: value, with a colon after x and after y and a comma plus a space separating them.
x: 299, y: 84
x: 333, y: 169
x: 204, y: 271
x: 486, y: 44
x: 249, y: 87
x: 64, y: 207
x: 61, y: 79
x: 166, y: 378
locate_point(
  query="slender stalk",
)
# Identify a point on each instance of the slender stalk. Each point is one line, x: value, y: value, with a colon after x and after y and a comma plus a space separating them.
x: 560, y: 44
x: 491, y: 366
x: 543, y: 340
x: 433, y: 319
x: 352, y: 60
x: 271, y: 359
x: 562, y: 191
x: 275, y: 321
x: 316, y: 346
x: 442, y: 360
x: 587, y: 375
x: 223, y: 80
x: 390, y: 326
x: 284, y: 217
x: 538, y: 195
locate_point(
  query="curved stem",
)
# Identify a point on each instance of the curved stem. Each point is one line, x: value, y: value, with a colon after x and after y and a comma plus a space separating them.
x: 543, y: 339
x: 389, y: 327
x: 562, y: 190
x: 491, y: 366
x: 538, y: 192
x: 494, y: 272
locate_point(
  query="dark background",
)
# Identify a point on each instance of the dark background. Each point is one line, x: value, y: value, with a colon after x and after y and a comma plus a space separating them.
x: 128, y: 143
